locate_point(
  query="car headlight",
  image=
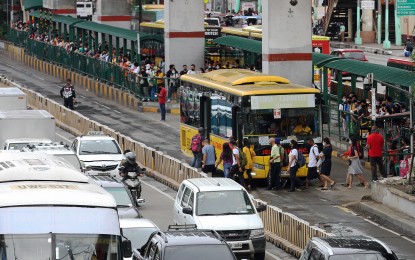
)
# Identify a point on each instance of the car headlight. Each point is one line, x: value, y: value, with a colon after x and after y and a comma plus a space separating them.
x: 259, y: 166
x: 257, y: 233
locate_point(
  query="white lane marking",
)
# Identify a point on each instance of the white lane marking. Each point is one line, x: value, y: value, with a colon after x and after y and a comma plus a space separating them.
x: 64, y: 138
x: 106, y: 107
x: 391, y: 231
x: 158, y: 190
x: 116, y: 111
x: 272, y: 255
x: 33, y: 75
x: 82, y: 96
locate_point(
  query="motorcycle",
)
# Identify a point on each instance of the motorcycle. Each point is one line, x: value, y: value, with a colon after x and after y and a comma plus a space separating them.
x: 134, y: 186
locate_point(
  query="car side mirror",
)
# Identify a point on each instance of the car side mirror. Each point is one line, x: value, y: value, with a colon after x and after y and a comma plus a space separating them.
x: 127, y: 252
x: 261, y: 207
x: 188, y: 211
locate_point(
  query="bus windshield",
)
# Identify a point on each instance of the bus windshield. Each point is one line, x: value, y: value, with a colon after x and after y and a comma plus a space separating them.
x: 299, y: 122
x: 59, y: 246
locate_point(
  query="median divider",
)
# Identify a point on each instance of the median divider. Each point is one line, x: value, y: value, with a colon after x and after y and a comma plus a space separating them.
x: 283, y: 229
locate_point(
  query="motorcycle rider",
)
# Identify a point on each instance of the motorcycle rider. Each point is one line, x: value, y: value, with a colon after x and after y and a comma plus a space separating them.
x: 68, y: 94
x: 130, y: 165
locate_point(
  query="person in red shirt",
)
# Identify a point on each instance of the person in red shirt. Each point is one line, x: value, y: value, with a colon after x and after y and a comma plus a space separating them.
x: 375, y: 144
x: 162, y: 95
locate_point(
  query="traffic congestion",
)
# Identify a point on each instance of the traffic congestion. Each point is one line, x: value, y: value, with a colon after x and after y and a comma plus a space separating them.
x: 215, y: 129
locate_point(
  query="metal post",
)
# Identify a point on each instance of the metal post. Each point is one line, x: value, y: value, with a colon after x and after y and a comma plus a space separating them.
x: 339, y: 97
x: 398, y: 33
x: 315, y: 9
x: 140, y: 14
x: 325, y: 86
x: 110, y: 47
x: 117, y: 47
x: 386, y: 42
x: 124, y: 47
x: 353, y: 83
x: 96, y: 42
x: 358, y: 39
x: 379, y: 31
x: 411, y: 122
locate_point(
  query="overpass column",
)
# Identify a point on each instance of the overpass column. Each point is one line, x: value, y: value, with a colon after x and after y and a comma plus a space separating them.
x: 184, y: 33
x: 286, y: 40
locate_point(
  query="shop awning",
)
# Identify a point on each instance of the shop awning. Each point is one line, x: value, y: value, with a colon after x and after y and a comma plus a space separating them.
x: 32, y: 4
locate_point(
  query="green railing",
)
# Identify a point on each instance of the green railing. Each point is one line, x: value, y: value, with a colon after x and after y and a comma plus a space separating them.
x: 94, y: 68
x: 17, y: 37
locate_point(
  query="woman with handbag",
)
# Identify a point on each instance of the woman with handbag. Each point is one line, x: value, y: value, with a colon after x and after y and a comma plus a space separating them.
x: 325, y: 162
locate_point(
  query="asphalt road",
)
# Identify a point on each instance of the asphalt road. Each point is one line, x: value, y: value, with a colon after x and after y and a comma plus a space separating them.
x: 324, y: 208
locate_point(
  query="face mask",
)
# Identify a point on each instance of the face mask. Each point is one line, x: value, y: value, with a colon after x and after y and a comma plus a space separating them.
x: 350, y: 142
x: 324, y: 143
x: 377, y: 103
x: 369, y: 110
x: 344, y: 100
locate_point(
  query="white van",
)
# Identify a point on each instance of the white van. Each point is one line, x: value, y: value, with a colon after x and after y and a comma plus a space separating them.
x: 223, y: 205
x: 51, y: 211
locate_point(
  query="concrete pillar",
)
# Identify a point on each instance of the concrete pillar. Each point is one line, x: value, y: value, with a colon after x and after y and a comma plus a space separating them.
x: 350, y: 24
x: 379, y: 32
x: 386, y: 42
x: 184, y: 33
x: 114, y: 13
x: 398, y: 31
x: 367, y: 34
x: 286, y: 40
x: 358, y: 39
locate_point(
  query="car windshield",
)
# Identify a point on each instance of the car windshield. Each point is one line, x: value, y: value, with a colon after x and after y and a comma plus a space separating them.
x: 17, y: 146
x: 232, y: 202
x: 120, y: 195
x: 59, y: 246
x: 199, y: 252
x: 99, y: 147
x: 138, y: 235
x: 354, y: 55
x: 361, y: 256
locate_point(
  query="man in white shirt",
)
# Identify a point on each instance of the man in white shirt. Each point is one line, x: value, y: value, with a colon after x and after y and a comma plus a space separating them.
x: 236, y: 168
x: 192, y: 69
x: 312, y: 162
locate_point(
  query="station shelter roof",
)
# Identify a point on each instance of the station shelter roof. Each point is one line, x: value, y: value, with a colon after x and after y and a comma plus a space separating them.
x: 69, y: 20
x: 240, y: 43
x: 107, y: 29
x: 32, y: 4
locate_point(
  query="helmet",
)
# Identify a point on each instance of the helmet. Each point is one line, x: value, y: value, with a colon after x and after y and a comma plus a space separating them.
x: 130, y: 156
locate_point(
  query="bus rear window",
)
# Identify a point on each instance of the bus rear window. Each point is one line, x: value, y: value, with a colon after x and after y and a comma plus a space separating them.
x: 354, y: 55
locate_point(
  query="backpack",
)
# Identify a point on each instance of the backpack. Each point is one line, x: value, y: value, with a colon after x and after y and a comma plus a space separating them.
x: 301, y: 159
x: 284, y: 156
x: 242, y: 158
x: 196, y: 143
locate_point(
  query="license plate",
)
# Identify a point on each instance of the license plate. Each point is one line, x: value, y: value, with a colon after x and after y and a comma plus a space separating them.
x: 104, y: 174
x: 235, y: 245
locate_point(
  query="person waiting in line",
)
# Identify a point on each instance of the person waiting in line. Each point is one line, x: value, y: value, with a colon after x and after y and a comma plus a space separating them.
x: 208, y: 158
x: 250, y: 154
x: 302, y: 129
x: 227, y: 158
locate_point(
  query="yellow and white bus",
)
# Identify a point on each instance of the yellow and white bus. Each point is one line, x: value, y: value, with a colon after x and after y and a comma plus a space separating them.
x: 246, y: 104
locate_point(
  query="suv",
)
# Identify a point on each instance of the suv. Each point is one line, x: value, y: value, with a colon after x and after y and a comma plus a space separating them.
x: 177, y: 244
x: 353, y: 247
x: 60, y: 150
x: 223, y: 205
x: 100, y: 153
x: 127, y: 206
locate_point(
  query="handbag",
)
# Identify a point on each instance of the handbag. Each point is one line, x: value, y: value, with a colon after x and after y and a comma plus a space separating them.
x: 321, y: 160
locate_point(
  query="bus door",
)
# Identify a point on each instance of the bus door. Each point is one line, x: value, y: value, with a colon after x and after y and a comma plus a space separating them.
x: 205, y: 114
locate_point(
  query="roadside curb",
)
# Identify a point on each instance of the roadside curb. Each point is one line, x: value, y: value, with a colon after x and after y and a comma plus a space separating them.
x: 392, y: 216
x: 375, y: 50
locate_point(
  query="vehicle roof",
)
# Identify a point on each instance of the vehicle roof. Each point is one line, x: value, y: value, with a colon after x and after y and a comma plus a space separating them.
x: 348, y: 50
x: 31, y: 193
x: 214, y: 184
x: 25, y: 114
x: 37, y: 166
x: 404, y: 61
x: 95, y: 137
x: 11, y: 92
x: 348, y: 244
x: 106, y: 181
x: 29, y: 140
x: 193, y: 237
x: 241, y: 82
x: 137, y: 223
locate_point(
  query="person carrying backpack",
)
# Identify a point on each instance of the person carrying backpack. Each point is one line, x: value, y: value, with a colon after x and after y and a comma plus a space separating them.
x: 196, y: 148
x: 239, y: 163
x: 295, y: 162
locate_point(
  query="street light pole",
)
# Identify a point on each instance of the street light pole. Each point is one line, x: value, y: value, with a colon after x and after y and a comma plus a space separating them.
x: 358, y: 39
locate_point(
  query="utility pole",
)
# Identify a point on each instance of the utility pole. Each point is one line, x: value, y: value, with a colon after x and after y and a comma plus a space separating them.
x: 398, y: 34
x: 358, y: 39
x: 140, y: 14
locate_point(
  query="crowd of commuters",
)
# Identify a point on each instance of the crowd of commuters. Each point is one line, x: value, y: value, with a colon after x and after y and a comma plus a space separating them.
x: 356, y: 114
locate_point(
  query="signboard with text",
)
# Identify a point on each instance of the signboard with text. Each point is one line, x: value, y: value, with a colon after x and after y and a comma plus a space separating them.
x: 367, y: 4
x: 282, y: 101
x: 405, y: 7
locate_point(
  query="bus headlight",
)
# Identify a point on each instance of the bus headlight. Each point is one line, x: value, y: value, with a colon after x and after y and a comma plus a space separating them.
x: 259, y: 166
x: 257, y: 233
